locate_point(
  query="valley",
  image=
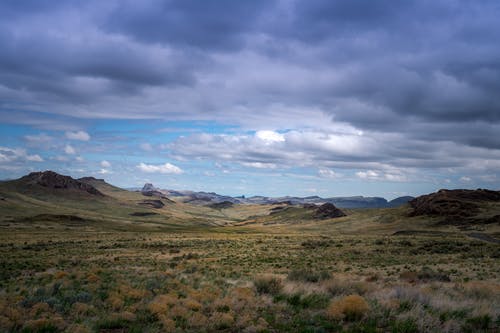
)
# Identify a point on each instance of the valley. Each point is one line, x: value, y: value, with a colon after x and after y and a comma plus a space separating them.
x: 85, y: 256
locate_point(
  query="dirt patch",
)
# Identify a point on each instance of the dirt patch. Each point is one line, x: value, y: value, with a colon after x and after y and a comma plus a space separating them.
x: 484, y: 237
x: 52, y: 218
x: 420, y: 232
x: 221, y: 205
x: 152, y: 203
x: 143, y: 214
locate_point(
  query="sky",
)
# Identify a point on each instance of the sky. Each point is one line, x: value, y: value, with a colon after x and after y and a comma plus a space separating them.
x: 319, y: 97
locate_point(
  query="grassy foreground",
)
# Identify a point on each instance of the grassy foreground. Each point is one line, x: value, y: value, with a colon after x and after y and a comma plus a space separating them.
x: 243, y: 279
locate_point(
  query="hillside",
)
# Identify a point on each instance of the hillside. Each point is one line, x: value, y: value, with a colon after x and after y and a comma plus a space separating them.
x: 47, y: 199
x: 459, y: 207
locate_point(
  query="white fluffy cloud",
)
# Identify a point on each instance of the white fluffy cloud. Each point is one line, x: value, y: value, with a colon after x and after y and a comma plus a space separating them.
x: 69, y: 150
x: 268, y: 149
x: 328, y: 173
x: 166, y: 168
x: 10, y: 155
x: 270, y: 137
x: 78, y: 135
x: 259, y: 165
x: 105, y: 164
x: 391, y: 176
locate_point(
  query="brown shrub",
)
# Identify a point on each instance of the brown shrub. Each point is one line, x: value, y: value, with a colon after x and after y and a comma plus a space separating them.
x: 45, y: 324
x: 167, y: 323
x: 178, y: 311
x: 351, y: 307
x: 60, y: 274
x: 222, y: 320
x: 78, y: 328
x: 81, y: 309
x: 132, y: 293
x: 197, y: 320
x: 409, y: 276
x: 161, y: 303
x: 39, y: 308
x: 192, y: 304
x: 92, y: 278
x: 115, y: 301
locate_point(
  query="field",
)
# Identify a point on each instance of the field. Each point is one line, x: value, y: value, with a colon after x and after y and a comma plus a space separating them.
x: 98, y: 266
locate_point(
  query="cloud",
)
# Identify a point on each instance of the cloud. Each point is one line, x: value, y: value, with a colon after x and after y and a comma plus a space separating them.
x: 215, y: 25
x: 328, y: 173
x: 69, y: 150
x: 384, y: 86
x: 104, y: 172
x: 465, y: 179
x: 105, y: 164
x: 370, y: 174
x: 17, y: 155
x: 38, y: 139
x: 78, y: 135
x: 395, y: 176
x: 377, y: 156
x: 146, y: 147
x: 259, y: 165
x: 270, y: 137
x: 34, y: 158
x: 166, y: 168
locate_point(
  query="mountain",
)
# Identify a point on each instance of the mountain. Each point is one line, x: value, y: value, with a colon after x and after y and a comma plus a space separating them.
x: 208, y: 198
x: 458, y: 206
x: 358, y: 202
x: 400, y: 201
x: 52, y: 182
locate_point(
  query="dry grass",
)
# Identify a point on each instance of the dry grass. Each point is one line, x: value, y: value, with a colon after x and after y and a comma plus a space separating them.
x: 352, y: 307
x: 247, y: 282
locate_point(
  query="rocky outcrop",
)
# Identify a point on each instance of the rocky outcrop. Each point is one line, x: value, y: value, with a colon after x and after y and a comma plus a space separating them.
x: 53, y: 180
x: 328, y: 211
x: 150, y: 190
x: 460, y: 203
x: 221, y: 205
x: 455, y: 206
x: 90, y: 179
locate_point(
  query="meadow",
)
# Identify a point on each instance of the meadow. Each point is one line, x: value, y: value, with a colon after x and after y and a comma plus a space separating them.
x: 246, y: 279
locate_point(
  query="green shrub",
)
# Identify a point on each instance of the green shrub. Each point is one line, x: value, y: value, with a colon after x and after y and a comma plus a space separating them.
x: 405, y: 326
x: 477, y: 324
x: 305, y: 275
x: 311, y: 301
x: 268, y: 285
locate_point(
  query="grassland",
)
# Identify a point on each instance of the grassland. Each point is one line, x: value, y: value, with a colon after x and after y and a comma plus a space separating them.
x: 195, y: 269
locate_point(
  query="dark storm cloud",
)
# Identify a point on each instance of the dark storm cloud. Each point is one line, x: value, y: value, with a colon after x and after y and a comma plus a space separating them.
x: 209, y: 25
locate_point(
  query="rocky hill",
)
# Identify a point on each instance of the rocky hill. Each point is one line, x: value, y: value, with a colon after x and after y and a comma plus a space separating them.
x: 456, y: 206
x: 53, y: 180
x: 328, y: 211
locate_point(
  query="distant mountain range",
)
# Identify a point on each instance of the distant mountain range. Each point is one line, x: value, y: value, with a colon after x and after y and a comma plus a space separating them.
x: 207, y: 198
